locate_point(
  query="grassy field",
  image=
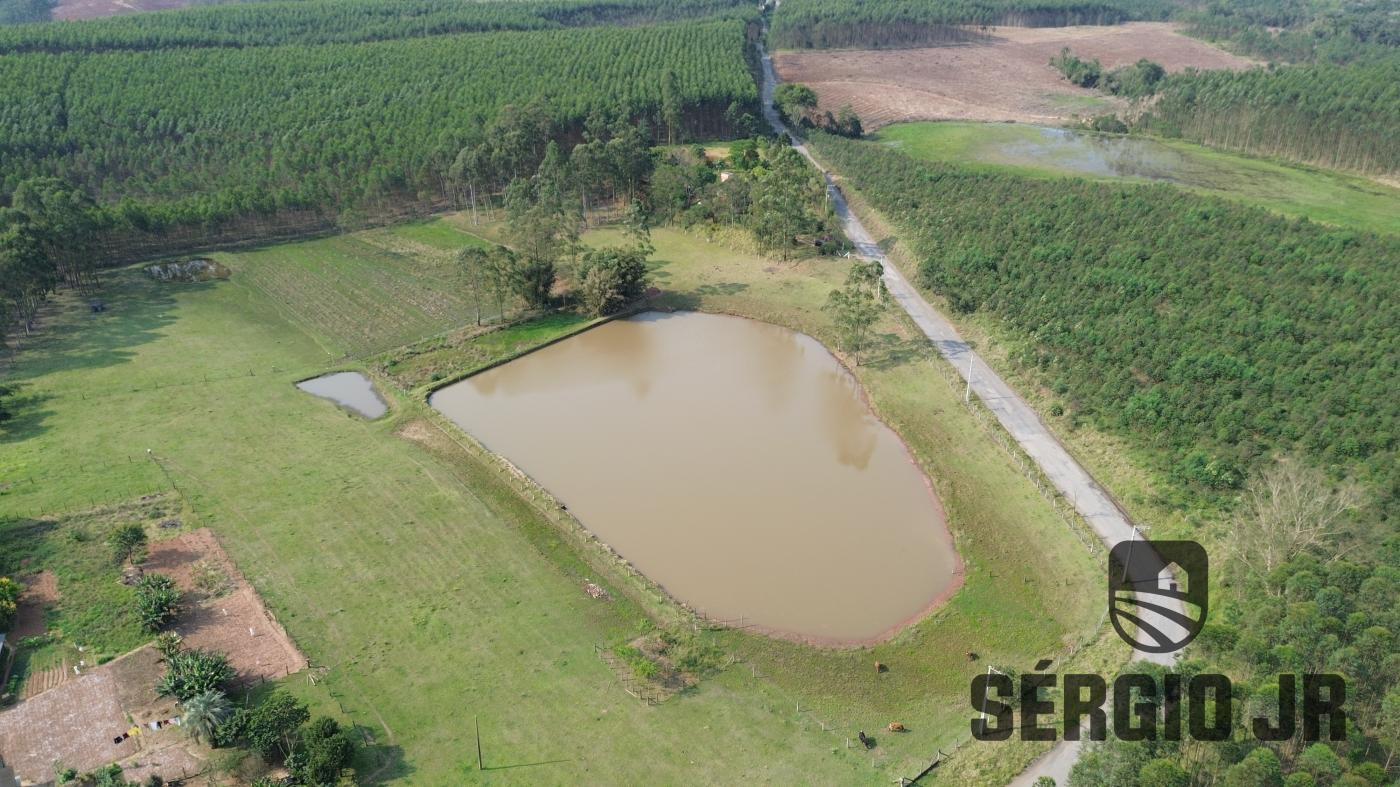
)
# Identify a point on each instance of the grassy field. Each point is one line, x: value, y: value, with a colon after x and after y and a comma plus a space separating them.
x: 366, y: 292
x: 437, y: 596
x: 1030, y: 150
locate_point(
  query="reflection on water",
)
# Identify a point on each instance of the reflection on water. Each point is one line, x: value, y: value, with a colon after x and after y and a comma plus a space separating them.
x: 732, y: 461
x: 351, y: 390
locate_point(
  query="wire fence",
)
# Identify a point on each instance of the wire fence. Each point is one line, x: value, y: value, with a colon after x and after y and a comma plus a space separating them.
x: 1065, y: 510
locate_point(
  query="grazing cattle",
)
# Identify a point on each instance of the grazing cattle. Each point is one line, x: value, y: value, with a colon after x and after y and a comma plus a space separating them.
x: 866, y: 740
x: 971, y: 656
x: 897, y: 727
x: 880, y: 667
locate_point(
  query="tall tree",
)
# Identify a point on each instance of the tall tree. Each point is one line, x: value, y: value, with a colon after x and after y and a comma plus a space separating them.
x: 27, y: 275
x: 62, y: 219
x: 785, y: 195
x: 671, y: 106
x: 472, y: 263
x: 857, y: 306
x: 1289, y: 509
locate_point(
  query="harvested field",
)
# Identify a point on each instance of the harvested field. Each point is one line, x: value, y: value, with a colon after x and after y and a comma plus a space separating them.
x: 1005, y: 77
x: 93, y: 9
x: 225, y: 616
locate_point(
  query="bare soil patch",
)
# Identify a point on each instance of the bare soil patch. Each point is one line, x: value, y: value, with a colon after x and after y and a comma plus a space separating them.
x: 40, y: 593
x: 1006, y: 77
x: 225, y: 616
x: 92, y: 9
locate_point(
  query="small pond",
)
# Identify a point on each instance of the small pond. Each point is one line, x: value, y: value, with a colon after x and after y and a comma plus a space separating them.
x: 734, y: 462
x: 350, y: 390
x: 1101, y: 156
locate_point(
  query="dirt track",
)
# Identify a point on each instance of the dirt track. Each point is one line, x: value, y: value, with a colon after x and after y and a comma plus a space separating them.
x: 1005, y: 77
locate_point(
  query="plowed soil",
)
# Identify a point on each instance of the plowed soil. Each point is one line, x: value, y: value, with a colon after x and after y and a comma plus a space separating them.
x: 232, y: 620
x: 1005, y: 77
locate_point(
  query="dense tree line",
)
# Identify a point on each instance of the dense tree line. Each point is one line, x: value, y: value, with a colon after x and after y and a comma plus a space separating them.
x: 195, y: 137
x: 1300, y: 30
x: 46, y: 239
x: 819, y: 24
x: 13, y: 12
x: 1214, y: 332
x: 344, y: 21
x: 1343, y: 117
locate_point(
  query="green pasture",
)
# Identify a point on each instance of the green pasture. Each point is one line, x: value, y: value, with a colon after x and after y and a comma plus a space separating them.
x: 435, y: 597
x: 1328, y: 197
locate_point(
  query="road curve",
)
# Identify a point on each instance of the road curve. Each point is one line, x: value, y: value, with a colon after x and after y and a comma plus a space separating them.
x: 1108, y: 521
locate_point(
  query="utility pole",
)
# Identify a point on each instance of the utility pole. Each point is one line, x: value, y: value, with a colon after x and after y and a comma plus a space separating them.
x: 1129, y: 559
x: 990, y: 670
x: 967, y: 394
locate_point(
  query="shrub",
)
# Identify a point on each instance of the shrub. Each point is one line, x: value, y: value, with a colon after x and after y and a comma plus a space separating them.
x: 205, y: 713
x: 157, y: 601
x: 269, y: 727
x: 610, y: 278
x: 322, y: 753
x: 9, y: 601
x: 128, y: 543
x: 190, y: 673
x: 210, y: 578
x: 169, y: 643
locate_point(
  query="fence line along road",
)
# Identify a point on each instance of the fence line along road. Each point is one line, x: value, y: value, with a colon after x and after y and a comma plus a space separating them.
x: 1108, y: 521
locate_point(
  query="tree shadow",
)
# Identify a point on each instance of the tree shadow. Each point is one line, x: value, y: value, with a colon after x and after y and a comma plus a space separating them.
x: 72, y: 336
x: 885, y: 351
x: 657, y: 269
x: 381, y: 763
x: 722, y: 288
x: 27, y: 416
x: 21, y: 538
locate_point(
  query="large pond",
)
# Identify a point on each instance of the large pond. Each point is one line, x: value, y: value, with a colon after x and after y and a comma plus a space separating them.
x: 736, y: 463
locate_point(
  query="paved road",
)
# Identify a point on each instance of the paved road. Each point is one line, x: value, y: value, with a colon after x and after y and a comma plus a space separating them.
x: 1016, y: 416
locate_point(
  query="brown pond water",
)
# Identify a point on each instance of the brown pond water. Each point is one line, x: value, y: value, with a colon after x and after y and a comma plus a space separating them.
x: 732, y: 461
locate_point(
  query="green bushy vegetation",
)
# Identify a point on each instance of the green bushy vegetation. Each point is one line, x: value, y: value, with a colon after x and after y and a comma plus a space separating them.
x: 1214, y: 332
x: 1300, y: 30
x: 821, y: 24
x: 1134, y: 81
x: 344, y: 21
x: 1289, y: 607
x: 14, y: 12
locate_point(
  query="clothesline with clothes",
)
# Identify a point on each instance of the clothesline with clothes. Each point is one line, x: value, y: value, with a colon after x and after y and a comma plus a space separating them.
x: 154, y: 726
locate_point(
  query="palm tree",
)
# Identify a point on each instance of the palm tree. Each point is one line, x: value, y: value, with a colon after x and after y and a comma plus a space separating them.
x: 204, y: 713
